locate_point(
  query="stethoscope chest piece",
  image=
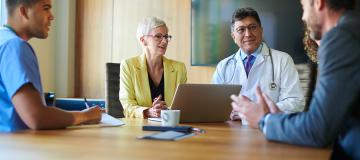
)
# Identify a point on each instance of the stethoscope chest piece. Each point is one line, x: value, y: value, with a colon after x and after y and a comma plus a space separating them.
x: 272, y: 86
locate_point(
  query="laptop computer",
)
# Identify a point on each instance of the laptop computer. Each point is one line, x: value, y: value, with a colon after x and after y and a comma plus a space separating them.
x: 204, y: 102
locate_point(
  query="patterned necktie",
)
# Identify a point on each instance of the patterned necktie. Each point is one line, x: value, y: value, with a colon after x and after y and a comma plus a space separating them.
x: 248, y: 64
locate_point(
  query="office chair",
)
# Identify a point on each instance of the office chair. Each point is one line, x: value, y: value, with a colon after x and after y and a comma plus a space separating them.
x: 112, y: 87
x: 304, y: 76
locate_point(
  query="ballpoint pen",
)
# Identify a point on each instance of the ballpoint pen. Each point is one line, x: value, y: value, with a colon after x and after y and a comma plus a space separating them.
x: 159, y: 97
x: 86, y: 103
x: 198, y: 130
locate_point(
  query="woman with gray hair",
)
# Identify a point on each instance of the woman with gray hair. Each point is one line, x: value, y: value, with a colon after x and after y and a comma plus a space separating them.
x: 148, y: 81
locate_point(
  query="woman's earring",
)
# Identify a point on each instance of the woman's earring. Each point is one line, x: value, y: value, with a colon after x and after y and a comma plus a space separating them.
x: 143, y: 41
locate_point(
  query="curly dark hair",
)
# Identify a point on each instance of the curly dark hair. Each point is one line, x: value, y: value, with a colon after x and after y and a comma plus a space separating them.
x: 310, y: 46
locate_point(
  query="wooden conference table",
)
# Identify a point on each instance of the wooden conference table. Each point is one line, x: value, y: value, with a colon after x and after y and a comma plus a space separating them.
x: 228, y: 140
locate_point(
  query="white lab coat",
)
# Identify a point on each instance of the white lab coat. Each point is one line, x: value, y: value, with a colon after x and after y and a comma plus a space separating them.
x: 288, y: 94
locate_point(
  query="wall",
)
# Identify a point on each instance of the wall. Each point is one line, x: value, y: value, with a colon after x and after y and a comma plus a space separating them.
x: 65, y: 48
x: 3, y: 13
x: 56, y: 53
x: 106, y: 33
x: 45, y: 53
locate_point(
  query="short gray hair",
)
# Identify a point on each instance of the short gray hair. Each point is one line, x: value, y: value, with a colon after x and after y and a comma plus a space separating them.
x: 147, y: 24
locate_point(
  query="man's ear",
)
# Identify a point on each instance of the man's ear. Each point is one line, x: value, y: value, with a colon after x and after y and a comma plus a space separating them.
x: 319, y: 4
x: 233, y: 36
x: 261, y: 30
x: 23, y: 11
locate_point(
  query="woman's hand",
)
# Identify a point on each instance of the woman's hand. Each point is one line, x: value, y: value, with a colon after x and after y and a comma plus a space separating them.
x: 156, y: 108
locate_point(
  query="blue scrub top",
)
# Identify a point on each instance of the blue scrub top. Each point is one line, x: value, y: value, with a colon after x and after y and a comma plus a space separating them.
x: 18, y: 66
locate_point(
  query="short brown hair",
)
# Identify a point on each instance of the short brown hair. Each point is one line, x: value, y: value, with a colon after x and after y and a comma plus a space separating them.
x: 12, y: 4
x: 341, y: 4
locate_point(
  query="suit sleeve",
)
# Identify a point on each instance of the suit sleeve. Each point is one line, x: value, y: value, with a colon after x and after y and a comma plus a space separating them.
x: 127, y: 93
x: 184, y: 74
x: 332, y: 102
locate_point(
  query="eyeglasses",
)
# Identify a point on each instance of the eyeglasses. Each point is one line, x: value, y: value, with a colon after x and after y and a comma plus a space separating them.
x: 242, y: 29
x: 160, y: 37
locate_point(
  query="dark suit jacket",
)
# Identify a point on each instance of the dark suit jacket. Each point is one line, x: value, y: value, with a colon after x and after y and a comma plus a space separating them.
x: 334, y: 112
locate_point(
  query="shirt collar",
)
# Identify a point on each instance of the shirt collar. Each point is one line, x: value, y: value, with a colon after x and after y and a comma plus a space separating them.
x: 243, y: 55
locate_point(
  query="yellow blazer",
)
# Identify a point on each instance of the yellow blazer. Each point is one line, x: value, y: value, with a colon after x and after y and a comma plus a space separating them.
x: 135, y: 95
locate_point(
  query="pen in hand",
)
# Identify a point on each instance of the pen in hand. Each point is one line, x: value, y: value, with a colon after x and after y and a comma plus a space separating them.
x: 86, y: 103
x: 157, y: 98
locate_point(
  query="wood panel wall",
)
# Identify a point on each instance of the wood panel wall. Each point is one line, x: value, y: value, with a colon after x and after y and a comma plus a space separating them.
x: 106, y: 31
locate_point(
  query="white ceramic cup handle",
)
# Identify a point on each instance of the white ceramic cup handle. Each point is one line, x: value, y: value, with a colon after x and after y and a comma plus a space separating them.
x: 165, y: 117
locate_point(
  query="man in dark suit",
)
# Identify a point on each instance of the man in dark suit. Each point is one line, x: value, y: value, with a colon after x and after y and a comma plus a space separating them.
x: 334, y: 113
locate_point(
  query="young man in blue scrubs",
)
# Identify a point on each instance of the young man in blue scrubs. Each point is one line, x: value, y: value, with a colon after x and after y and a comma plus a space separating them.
x: 22, y: 105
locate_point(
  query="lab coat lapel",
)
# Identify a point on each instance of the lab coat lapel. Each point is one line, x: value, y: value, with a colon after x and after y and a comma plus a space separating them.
x: 256, y: 73
x: 260, y: 58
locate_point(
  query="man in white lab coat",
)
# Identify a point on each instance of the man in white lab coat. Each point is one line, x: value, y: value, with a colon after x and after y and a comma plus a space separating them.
x: 255, y: 64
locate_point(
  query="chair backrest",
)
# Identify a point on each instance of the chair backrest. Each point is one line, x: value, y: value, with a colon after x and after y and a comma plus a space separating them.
x: 112, y: 87
x: 306, y: 80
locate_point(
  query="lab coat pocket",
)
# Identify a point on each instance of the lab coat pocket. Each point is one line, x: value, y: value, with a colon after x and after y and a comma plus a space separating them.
x: 272, y: 93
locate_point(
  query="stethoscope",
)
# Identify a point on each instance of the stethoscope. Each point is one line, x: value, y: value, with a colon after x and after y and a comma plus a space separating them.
x: 272, y: 84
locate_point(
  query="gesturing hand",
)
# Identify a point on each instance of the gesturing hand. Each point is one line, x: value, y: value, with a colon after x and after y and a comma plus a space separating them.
x: 251, y: 111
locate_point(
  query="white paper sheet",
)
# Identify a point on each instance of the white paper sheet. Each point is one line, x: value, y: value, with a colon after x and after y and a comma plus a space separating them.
x: 155, y: 119
x: 106, y: 121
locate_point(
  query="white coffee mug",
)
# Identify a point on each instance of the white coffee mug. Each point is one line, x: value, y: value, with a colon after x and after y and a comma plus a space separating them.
x: 170, y: 117
x: 244, y: 122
